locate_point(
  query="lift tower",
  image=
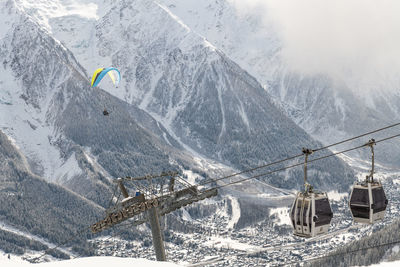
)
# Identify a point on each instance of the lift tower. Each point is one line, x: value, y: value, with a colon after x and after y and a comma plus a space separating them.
x: 154, y: 197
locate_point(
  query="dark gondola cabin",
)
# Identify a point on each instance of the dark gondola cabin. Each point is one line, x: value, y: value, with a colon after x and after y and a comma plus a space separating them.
x: 311, y: 214
x: 368, y: 202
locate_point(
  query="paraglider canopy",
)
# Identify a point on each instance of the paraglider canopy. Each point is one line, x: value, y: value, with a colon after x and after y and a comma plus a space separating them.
x: 99, y: 74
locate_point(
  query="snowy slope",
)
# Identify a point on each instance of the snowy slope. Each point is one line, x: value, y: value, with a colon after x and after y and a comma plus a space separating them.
x: 9, y: 228
x: 33, y: 209
x: 327, y: 107
x: 200, y: 99
x: 24, y: 109
x: 88, y: 262
x: 244, y: 37
x: 386, y: 264
x: 56, y: 120
x: 205, y: 101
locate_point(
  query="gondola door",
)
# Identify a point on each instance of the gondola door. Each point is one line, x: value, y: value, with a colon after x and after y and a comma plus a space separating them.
x: 379, y: 201
x: 361, y: 203
x: 371, y: 211
x: 312, y: 216
x: 302, y: 216
x: 305, y: 218
x: 299, y: 215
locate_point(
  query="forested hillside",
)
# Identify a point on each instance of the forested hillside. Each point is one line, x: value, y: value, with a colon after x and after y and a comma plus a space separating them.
x: 32, y: 205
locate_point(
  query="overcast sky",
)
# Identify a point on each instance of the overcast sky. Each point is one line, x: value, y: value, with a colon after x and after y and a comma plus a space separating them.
x: 358, y: 40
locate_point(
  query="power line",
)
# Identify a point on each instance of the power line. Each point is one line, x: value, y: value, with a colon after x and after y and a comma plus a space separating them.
x: 298, y: 164
x: 250, y: 170
x: 356, y: 137
x: 257, y: 176
x: 299, y: 155
x: 320, y: 158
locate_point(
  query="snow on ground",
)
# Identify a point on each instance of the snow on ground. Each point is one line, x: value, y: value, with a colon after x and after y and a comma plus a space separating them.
x: 68, y: 169
x: 235, y: 212
x: 221, y: 242
x: 186, y: 216
x: 336, y: 196
x: 43, y: 10
x: 87, y: 262
x: 9, y: 228
x: 282, y: 215
x: 223, y: 25
x: 363, y: 166
x: 191, y: 176
x: 386, y: 264
x: 30, y: 132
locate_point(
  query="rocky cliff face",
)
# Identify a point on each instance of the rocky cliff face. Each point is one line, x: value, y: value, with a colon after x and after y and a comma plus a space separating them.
x: 201, y: 99
x: 179, y: 95
x: 54, y: 116
x: 328, y: 108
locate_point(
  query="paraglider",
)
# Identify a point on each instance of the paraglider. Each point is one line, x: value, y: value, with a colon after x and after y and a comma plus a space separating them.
x: 99, y: 74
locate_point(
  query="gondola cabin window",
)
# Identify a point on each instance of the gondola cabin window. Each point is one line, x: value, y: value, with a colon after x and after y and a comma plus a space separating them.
x: 379, y: 199
x: 323, y: 211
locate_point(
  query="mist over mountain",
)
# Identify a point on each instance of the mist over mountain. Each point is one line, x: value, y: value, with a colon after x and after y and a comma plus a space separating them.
x: 195, y: 97
x: 329, y: 91
x: 200, y: 99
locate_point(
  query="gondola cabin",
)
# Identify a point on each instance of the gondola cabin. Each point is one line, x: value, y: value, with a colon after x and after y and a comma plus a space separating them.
x: 368, y: 202
x: 311, y: 214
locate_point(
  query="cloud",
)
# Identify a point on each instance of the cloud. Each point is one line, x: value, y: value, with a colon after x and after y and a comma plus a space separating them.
x: 355, y: 40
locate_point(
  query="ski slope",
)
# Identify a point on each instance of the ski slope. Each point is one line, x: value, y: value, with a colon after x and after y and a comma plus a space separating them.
x: 87, y: 262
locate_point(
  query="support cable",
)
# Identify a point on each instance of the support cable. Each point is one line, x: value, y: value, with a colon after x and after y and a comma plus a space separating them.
x: 187, y: 185
x: 112, y: 198
x: 299, y: 155
x: 80, y: 232
x: 298, y: 164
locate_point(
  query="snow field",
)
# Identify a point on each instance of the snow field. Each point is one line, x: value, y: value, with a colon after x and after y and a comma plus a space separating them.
x: 87, y: 262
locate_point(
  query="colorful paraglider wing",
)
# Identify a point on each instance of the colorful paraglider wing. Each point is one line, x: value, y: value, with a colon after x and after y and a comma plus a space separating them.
x: 95, y: 75
x: 113, y: 73
x: 110, y: 73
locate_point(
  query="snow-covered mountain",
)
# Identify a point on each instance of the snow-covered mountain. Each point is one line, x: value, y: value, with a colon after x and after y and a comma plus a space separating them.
x: 180, y: 97
x: 201, y: 98
x: 186, y: 101
x: 35, y: 214
x: 328, y: 108
x: 244, y: 37
x: 56, y: 120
